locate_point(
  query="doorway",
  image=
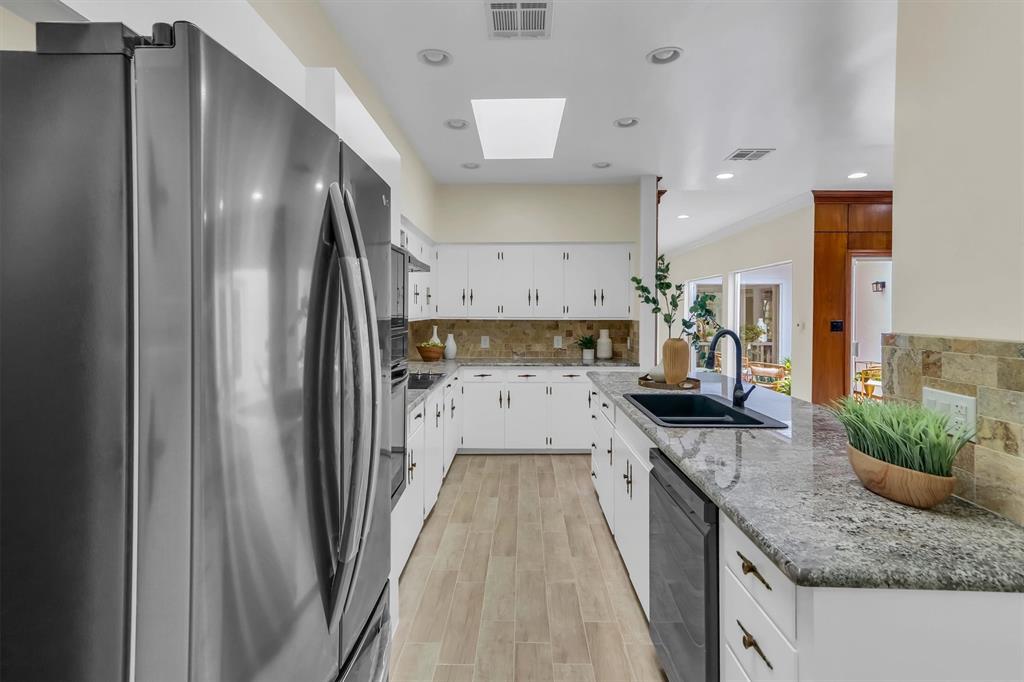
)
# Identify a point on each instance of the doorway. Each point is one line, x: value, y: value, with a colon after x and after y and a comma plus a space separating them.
x: 764, y: 322
x: 871, y: 316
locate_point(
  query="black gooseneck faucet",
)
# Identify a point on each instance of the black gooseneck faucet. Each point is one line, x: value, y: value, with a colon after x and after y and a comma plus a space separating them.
x: 739, y: 397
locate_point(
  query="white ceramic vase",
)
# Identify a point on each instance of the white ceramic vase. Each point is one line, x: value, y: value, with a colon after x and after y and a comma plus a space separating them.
x: 450, y: 347
x: 588, y: 356
x: 604, y: 346
x: 433, y: 337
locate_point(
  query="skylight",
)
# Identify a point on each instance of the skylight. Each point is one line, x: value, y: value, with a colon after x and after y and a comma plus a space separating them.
x: 518, y: 128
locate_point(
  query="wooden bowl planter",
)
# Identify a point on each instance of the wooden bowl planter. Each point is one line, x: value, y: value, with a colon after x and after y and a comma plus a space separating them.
x: 430, y: 353
x: 906, y: 486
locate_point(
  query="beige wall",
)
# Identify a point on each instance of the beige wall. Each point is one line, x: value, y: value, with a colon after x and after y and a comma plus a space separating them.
x: 15, y: 32
x: 310, y: 34
x: 788, y: 237
x: 537, y: 213
x: 958, y: 202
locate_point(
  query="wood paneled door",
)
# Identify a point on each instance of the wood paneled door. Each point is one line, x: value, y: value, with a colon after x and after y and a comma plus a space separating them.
x: 846, y: 224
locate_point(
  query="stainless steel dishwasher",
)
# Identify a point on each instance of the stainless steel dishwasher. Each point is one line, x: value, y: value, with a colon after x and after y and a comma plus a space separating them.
x: 684, y: 575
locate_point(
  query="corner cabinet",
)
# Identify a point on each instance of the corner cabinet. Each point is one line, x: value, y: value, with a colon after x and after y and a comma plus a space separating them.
x: 539, y: 281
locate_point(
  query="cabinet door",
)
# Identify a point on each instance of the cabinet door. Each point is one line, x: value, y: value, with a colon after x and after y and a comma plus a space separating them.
x: 611, y: 267
x: 548, y: 282
x: 526, y: 415
x: 640, y: 528
x: 416, y: 296
x: 581, y: 281
x: 570, y: 416
x: 518, y: 277
x: 605, y: 469
x: 483, y: 424
x: 414, y: 473
x: 485, y: 281
x: 433, y: 452
x: 451, y: 438
x: 452, y: 293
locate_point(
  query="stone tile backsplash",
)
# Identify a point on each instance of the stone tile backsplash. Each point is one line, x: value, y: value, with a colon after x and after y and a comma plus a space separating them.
x: 990, y: 473
x: 527, y: 338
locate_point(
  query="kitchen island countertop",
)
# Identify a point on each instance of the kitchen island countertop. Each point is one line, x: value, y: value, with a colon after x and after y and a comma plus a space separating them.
x: 794, y: 494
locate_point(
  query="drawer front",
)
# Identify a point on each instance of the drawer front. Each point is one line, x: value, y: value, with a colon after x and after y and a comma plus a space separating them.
x: 473, y: 375
x: 574, y: 375
x: 606, y: 406
x: 731, y: 669
x: 636, y: 439
x: 778, y: 602
x: 529, y: 375
x: 415, y: 419
x: 768, y: 655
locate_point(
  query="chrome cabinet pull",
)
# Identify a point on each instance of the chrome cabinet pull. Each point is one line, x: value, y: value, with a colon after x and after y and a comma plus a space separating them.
x: 749, y: 568
x: 750, y: 643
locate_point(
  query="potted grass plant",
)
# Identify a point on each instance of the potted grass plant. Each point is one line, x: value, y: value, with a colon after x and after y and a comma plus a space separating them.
x: 903, y: 452
x: 587, y: 344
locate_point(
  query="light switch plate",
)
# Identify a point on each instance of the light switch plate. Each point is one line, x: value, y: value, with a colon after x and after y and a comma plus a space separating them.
x: 558, y: 342
x: 962, y: 409
x: 485, y: 342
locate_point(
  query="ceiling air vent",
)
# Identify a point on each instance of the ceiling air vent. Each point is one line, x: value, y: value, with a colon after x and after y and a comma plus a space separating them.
x: 519, y: 19
x: 748, y: 154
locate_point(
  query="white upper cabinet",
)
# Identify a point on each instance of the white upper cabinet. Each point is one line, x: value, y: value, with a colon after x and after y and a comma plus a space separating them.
x: 548, y: 282
x: 452, y: 283
x: 518, y: 273
x: 543, y: 281
x: 484, y: 282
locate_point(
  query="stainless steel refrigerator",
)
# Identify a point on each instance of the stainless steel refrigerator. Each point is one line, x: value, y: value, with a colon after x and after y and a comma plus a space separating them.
x: 194, y: 474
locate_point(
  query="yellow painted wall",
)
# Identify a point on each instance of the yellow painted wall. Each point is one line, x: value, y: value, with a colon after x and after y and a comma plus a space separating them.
x: 307, y: 30
x: 537, y: 213
x: 958, y: 200
x: 788, y: 237
x: 15, y: 32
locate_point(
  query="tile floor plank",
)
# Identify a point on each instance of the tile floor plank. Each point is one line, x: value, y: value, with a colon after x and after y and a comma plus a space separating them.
x: 453, y: 673
x: 568, y: 635
x: 495, y: 651
x: 531, y: 607
x: 533, y: 662
x: 608, y: 653
x: 463, y: 627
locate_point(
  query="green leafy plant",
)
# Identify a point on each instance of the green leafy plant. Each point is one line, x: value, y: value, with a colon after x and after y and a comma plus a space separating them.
x: 430, y: 344
x: 666, y: 299
x: 586, y: 342
x: 903, y: 434
x: 750, y: 334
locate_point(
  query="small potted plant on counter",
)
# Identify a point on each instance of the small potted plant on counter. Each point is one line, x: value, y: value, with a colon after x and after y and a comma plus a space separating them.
x: 587, y: 344
x: 903, y: 452
x: 430, y: 351
x: 675, y: 352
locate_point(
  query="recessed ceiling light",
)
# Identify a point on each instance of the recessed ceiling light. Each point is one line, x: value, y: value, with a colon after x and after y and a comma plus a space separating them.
x: 664, y: 55
x: 257, y: 195
x: 857, y: 176
x: 725, y: 176
x: 601, y: 165
x: 470, y: 165
x: 627, y: 122
x: 434, y: 57
x: 457, y: 123
x: 682, y: 216
x: 518, y: 128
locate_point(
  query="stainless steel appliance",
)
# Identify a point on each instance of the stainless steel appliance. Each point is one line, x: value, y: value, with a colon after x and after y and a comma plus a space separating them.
x: 684, y: 575
x: 193, y: 434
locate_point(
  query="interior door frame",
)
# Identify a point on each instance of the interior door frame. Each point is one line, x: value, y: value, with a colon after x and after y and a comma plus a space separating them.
x: 847, y: 225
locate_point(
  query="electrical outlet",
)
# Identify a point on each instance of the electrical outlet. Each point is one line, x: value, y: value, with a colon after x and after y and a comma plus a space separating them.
x: 485, y: 342
x: 558, y: 342
x: 962, y: 409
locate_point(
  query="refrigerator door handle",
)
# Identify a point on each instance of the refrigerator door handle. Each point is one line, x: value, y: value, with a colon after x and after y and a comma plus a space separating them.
x: 320, y: 460
x: 375, y: 397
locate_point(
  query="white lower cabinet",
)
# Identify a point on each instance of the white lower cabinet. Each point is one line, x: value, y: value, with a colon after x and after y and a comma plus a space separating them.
x: 569, y: 421
x: 433, y: 450
x: 526, y: 416
x: 603, y: 462
x: 483, y: 405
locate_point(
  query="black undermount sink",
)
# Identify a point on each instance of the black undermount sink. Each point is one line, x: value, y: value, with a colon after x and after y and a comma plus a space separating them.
x: 423, y: 380
x: 676, y: 410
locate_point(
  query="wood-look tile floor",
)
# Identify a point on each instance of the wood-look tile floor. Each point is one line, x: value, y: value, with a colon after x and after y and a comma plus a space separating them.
x: 515, y: 576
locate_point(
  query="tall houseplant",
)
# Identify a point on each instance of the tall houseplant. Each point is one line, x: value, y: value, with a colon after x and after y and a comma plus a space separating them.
x: 665, y: 301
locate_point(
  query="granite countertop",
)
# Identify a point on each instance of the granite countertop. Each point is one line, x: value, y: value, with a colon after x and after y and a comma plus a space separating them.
x: 794, y: 494
x: 449, y: 367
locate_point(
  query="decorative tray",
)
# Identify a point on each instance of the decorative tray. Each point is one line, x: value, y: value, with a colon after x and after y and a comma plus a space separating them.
x: 689, y: 384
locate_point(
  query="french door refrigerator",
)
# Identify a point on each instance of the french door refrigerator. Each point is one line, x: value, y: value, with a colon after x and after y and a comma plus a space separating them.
x: 194, y: 474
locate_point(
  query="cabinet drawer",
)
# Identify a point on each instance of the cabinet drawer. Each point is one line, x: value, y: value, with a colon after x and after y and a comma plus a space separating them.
x: 636, y: 439
x: 415, y: 419
x: 575, y: 375
x: 475, y: 375
x: 743, y: 621
x: 776, y: 594
x: 606, y: 406
x: 529, y: 375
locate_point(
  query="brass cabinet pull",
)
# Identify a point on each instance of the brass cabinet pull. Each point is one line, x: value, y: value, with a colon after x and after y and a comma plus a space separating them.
x: 749, y: 568
x: 750, y: 643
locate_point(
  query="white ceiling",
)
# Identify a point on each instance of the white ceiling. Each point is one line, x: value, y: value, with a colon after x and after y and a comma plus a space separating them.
x: 814, y: 79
